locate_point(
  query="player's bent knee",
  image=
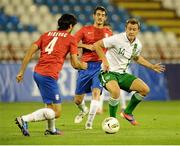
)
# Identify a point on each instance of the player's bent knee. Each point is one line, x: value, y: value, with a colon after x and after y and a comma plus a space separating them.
x: 77, y: 101
x: 115, y: 94
x: 58, y: 114
x: 145, y: 91
x: 49, y: 114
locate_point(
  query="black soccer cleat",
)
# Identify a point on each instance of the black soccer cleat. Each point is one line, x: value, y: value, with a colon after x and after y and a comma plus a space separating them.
x: 57, y: 132
x: 22, y: 126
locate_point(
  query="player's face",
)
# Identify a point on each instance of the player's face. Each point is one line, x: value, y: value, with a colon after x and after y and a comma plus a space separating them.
x: 132, y: 31
x: 99, y: 17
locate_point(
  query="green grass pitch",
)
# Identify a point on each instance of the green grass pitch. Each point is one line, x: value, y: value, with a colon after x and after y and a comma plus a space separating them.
x: 159, y: 124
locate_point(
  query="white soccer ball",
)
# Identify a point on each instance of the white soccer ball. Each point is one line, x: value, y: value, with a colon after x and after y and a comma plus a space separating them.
x: 110, y: 125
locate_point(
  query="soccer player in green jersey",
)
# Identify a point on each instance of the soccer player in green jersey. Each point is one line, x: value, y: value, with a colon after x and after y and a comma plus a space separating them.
x: 122, y: 49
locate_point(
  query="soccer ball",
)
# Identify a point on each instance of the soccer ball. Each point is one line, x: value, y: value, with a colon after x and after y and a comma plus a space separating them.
x: 110, y: 125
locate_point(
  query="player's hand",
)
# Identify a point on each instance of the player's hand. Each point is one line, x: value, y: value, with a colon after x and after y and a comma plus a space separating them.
x: 158, y: 67
x: 19, y: 76
x: 84, y: 65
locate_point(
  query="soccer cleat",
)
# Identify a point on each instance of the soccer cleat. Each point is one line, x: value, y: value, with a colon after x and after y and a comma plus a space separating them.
x: 129, y: 117
x: 88, y: 126
x: 57, y: 132
x: 23, y: 126
x: 78, y: 119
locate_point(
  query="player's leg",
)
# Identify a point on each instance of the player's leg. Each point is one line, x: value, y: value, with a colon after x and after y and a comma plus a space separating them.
x: 123, y: 95
x: 49, y: 90
x: 51, y: 128
x: 114, y: 90
x: 45, y: 85
x: 123, y: 100
x: 38, y: 115
x: 50, y: 93
x: 81, y: 87
x: 96, y: 89
x: 93, y: 107
x: 79, y: 101
x: 110, y: 82
x: 142, y: 90
x: 101, y: 100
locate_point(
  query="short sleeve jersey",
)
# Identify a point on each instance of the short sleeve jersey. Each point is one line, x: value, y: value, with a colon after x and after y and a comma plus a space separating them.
x: 54, y: 46
x: 89, y: 35
x: 121, y: 52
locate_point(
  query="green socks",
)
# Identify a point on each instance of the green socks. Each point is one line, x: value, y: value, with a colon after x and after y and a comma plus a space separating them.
x: 135, y: 100
x: 113, y: 106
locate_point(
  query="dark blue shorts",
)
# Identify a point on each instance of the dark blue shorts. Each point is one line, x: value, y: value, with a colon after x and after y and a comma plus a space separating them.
x: 88, y: 79
x: 48, y: 88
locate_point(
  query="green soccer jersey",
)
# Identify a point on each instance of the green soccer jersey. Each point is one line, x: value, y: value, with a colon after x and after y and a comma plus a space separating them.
x: 121, y: 52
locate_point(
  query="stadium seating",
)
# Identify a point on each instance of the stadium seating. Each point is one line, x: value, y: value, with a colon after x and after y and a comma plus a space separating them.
x: 161, y: 13
x: 21, y: 22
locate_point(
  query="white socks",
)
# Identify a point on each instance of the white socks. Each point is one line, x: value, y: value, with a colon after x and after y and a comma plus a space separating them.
x: 39, y: 115
x: 101, y: 102
x: 51, y: 125
x: 123, y: 99
x: 93, y: 109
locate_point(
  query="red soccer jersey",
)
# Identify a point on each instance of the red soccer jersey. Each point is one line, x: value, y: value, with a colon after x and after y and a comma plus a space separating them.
x: 54, y: 46
x: 90, y: 35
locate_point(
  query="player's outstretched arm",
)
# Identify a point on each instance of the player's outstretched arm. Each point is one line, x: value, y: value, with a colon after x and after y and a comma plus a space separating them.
x: 98, y: 48
x: 76, y: 63
x: 156, y: 67
x: 25, y: 62
x: 86, y: 46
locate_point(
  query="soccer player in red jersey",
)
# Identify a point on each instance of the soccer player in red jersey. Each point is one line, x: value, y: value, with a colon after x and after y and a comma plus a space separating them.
x: 88, y: 80
x: 54, y: 47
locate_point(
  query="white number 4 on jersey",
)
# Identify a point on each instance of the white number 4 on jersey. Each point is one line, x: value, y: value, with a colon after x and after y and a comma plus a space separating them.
x: 50, y: 46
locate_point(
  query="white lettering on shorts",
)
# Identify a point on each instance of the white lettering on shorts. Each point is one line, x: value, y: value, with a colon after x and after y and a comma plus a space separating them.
x: 57, y: 96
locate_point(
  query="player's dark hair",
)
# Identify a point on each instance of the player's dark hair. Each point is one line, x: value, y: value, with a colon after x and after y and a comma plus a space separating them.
x: 65, y: 21
x: 133, y: 21
x: 100, y: 8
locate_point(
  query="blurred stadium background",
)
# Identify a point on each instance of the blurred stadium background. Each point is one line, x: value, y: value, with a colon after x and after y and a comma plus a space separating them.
x: 22, y: 22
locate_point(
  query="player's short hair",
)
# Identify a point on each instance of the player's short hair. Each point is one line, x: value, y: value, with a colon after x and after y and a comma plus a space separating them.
x: 133, y: 21
x: 65, y: 21
x: 101, y: 8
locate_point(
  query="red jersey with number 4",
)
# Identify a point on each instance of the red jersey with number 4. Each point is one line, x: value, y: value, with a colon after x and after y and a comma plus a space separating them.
x: 89, y: 35
x: 54, y: 47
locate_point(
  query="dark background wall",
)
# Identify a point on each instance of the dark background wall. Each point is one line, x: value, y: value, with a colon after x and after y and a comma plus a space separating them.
x: 172, y: 75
